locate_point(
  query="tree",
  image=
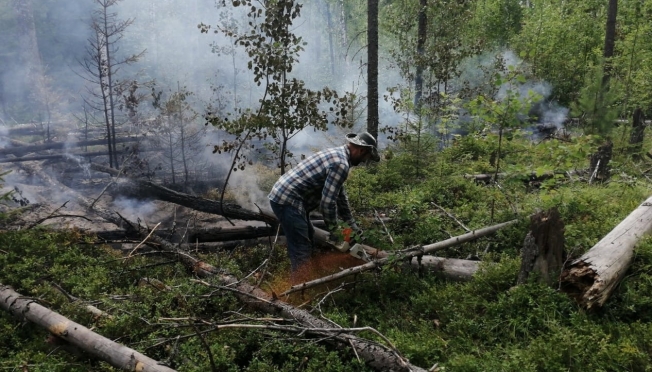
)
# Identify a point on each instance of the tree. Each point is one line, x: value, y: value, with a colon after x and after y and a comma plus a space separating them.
x: 100, y: 68
x: 287, y: 106
x: 372, y: 67
x: 179, y: 132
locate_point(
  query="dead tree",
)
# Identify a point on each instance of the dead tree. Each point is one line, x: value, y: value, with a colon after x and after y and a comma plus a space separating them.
x: 638, y: 131
x: 543, y: 249
x: 600, y: 168
x: 117, y: 355
x: 592, y: 278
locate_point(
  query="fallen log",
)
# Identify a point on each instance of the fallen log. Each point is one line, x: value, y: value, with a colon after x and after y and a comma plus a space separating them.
x: 150, y: 190
x: 406, y: 254
x: 449, y: 268
x: 117, y: 355
x: 57, y: 156
x: 203, y: 235
x: 592, y: 278
x: 61, y: 145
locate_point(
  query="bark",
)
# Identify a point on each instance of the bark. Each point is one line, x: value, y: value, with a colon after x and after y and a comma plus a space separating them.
x: 59, y: 146
x: 422, y: 21
x: 372, y: 68
x: 609, y: 40
x: 406, y: 254
x: 449, y: 268
x: 543, y: 250
x: 150, y: 190
x: 638, y: 131
x: 76, y: 334
x: 592, y: 278
x: 599, y: 167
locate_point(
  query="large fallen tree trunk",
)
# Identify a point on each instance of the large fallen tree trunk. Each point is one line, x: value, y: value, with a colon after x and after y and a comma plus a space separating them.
x: 21, y: 150
x: 52, y: 157
x: 591, y: 279
x: 76, y: 334
x: 150, y: 190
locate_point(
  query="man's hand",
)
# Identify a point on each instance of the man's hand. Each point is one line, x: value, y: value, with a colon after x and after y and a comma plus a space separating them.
x: 358, y: 235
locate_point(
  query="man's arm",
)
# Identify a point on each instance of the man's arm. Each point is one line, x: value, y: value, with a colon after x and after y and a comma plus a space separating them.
x: 344, y: 208
x: 337, y: 174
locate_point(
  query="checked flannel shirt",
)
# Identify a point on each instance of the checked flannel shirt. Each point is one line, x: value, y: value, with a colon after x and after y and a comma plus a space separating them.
x: 317, y: 182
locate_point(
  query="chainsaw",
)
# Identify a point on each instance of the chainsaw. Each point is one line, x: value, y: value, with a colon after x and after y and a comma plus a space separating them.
x: 356, y: 250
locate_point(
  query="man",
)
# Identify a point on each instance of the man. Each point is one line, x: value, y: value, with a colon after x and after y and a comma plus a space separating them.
x: 318, y: 183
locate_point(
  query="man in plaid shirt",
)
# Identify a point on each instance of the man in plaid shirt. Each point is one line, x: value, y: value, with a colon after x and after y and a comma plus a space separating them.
x: 318, y: 183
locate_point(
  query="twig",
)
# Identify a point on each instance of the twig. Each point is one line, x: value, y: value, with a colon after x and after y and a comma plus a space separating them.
x: 208, y: 349
x: 595, y: 171
x: 384, y: 227
x: 124, y: 164
x: 144, y: 240
x: 451, y: 216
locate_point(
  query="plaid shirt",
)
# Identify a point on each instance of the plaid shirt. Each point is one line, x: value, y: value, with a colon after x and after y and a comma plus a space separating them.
x: 317, y: 181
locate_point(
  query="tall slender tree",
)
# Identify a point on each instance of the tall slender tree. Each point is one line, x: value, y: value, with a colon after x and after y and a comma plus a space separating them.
x: 372, y: 67
x: 100, y: 67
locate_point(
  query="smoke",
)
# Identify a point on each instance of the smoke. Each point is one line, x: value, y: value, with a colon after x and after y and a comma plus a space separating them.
x: 135, y: 210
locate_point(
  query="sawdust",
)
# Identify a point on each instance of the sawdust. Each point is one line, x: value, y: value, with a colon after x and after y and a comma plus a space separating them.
x: 321, y: 265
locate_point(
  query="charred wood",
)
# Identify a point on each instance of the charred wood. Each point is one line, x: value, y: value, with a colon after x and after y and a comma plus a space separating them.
x: 543, y: 249
x: 21, y: 150
x: 54, y: 157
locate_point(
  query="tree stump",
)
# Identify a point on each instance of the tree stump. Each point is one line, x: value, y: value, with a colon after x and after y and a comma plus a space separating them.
x: 543, y: 248
x: 599, y: 168
x: 637, y: 134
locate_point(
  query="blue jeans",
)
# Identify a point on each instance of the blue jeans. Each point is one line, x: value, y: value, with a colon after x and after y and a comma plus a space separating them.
x: 298, y: 232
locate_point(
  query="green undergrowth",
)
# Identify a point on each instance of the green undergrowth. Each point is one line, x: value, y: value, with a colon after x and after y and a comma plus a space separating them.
x: 486, y: 324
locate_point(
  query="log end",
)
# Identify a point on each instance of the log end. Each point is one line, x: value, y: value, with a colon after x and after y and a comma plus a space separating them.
x: 579, y: 282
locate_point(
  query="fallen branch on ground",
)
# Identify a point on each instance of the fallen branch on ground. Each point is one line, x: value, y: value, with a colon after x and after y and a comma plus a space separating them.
x: 399, y: 256
x: 76, y: 334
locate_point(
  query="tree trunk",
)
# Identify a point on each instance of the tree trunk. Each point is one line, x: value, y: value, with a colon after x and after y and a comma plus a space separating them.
x: 609, y: 40
x: 76, y: 334
x: 599, y: 168
x: 543, y: 250
x: 449, y: 268
x: 421, y: 42
x: 372, y: 67
x: 638, y: 128
x: 591, y: 279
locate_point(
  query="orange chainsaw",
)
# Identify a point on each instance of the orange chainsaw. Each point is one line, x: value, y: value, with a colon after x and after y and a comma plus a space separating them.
x: 357, y: 250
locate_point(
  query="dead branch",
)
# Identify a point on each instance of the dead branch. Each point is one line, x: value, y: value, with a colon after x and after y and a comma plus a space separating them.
x: 402, y: 255
x: 97, y: 313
